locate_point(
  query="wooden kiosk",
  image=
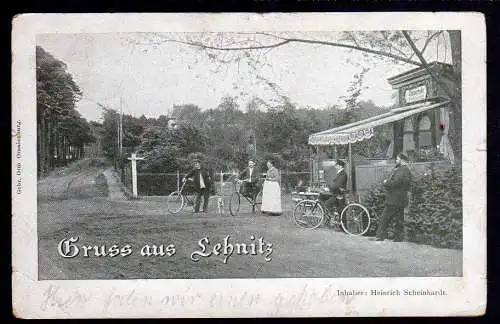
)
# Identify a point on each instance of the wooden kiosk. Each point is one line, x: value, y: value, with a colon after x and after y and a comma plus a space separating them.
x: 420, y: 122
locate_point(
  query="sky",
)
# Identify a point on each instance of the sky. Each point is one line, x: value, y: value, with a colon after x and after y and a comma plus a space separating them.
x: 111, y: 68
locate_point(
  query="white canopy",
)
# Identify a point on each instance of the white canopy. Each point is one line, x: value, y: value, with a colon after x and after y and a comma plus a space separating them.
x: 363, y: 129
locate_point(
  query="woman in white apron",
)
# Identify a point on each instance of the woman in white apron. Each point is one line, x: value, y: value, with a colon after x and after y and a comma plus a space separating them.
x: 271, y: 192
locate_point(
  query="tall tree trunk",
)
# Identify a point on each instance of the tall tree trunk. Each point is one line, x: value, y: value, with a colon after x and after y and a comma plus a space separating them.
x: 54, y: 157
x: 50, y: 145
x: 455, y: 130
x: 56, y: 147
x: 62, y: 148
x: 39, y: 157
x: 45, y: 145
x: 65, y: 148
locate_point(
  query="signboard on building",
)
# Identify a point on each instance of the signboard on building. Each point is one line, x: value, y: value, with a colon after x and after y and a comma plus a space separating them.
x: 416, y: 94
x: 418, y: 84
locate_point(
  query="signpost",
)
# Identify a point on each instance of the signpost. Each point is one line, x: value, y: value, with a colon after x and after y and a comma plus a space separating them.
x: 134, y: 160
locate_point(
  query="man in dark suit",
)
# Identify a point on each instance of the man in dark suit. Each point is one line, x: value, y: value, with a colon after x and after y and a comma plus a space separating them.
x: 250, y: 178
x: 336, y: 183
x: 202, y: 182
x: 396, y: 199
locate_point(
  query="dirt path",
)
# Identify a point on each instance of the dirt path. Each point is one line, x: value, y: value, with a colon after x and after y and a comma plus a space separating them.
x: 102, y: 221
x: 80, y: 180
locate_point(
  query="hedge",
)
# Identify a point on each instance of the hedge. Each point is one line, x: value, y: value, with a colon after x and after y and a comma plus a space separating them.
x: 434, y: 215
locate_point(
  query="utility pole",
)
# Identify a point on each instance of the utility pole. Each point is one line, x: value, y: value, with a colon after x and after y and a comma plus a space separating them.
x: 117, y: 150
x: 120, y: 134
x: 255, y: 143
x: 254, y: 113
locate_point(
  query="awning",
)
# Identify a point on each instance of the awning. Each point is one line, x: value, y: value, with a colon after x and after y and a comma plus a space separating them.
x: 363, y: 129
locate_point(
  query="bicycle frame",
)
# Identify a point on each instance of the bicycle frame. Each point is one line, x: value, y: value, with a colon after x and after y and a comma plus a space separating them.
x: 251, y: 201
x: 235, y: 200
x: 188, y: 200
x: 328, y: 213
x: 354, y: 218
x: 316, y: 201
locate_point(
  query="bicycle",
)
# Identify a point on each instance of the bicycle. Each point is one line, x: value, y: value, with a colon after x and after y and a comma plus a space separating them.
x: 176, y: 200
x: 235, y: 201
x: 310, y: 212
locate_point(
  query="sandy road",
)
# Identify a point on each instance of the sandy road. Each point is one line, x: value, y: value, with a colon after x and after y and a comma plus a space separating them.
x: 80, y: 180
x: 98, y: 220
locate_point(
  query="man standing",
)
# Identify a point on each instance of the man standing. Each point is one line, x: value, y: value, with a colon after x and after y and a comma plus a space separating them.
x: 250, y: 177
x: 396, y: 199
x: 336, y: 183
x: 202, y: 182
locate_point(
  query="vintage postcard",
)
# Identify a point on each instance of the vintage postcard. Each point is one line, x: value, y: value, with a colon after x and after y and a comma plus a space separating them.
x: 249, y: 165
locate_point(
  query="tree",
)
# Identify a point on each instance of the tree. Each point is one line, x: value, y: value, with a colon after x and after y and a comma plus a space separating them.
x: 223, y: 139
x: 110, y: 128
x: 226, y: 131
x: 61, y: 131
x: 350, y: 111
x: 188, y: 114
x: 159, y: 151
x: 164, y: 149
x: 398, y: 47
x: 132, y: 130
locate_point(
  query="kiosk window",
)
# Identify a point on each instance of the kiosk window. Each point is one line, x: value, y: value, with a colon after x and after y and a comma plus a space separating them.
x: 424, y: 132
x: 408, y: 140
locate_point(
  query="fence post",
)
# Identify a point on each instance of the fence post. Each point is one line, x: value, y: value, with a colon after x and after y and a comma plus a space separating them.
x: 288, y: 181
x: 309, y: 164
x: 178, y: 176
x: 221, y: 182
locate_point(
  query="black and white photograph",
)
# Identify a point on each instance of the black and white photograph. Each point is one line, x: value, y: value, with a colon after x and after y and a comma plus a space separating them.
x: 250, y: 153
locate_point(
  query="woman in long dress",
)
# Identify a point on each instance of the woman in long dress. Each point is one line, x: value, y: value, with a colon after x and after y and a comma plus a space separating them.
x: 271, y: 192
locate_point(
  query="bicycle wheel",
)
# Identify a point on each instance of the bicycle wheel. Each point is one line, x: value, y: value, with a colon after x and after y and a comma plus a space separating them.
x: 257, y: 203
x: 175, y: 202
x: 308, y: 214
x: 234, y: 204
x: 355, y: 219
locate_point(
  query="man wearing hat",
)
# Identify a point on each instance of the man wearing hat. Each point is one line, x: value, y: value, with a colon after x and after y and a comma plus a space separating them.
x: 202, y: 181
x: 337, y: 186
x: 251, y: 177
x: 396, y: 199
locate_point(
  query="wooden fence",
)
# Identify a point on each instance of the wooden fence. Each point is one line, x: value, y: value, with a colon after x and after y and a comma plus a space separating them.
x: 162, y: 184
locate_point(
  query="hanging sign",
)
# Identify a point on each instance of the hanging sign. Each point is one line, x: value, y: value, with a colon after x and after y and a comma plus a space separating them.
x: 416, y: 94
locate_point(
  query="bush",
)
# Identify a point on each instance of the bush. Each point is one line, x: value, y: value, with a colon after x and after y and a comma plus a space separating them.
x: 435, y: 212
x: 99, y: 162
x: 375, y: 204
